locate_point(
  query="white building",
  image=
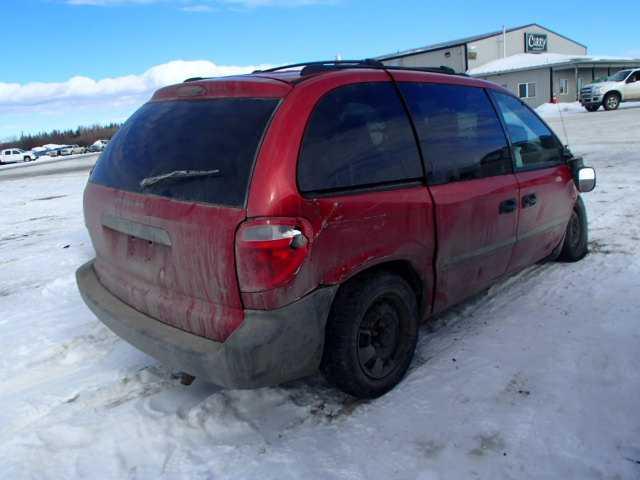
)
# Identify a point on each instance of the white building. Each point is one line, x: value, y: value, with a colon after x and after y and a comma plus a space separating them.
x: 532, y: 61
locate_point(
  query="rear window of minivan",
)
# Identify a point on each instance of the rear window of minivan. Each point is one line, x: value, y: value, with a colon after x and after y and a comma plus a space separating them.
x: 190, y: 150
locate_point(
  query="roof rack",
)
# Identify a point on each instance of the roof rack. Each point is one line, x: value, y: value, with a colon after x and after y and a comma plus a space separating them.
x: 308, y: 68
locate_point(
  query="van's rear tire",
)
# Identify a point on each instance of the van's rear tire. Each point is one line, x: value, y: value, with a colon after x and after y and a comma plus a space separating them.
x: 371, y: 334
x: 611, y: 101
x: 576, y: 239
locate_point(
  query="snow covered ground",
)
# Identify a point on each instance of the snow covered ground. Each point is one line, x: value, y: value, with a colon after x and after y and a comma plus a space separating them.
x: 549, y: 110
x: 537, y: 378
x: 47, y: 160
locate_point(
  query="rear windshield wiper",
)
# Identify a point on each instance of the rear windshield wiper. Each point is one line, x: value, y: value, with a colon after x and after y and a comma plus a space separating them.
x: 177, y: 174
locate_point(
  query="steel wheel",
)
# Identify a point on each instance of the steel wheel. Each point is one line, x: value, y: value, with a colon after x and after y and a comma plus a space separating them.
x: 371, y: 334
x: 378, y: 339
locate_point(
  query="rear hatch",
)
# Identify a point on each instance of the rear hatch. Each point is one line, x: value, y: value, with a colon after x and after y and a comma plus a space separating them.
x: 167, y: 195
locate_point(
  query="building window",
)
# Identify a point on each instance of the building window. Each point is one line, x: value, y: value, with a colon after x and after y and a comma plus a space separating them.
x: 526, y: 90
x: 564, y: 86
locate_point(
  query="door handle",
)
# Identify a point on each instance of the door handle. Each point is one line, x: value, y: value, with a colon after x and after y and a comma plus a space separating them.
x: 508, y: 206
x: 529, y: 200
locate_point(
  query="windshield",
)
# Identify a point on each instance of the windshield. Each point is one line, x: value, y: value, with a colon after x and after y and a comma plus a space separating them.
x: 189, y: 150
x: 620, y: 76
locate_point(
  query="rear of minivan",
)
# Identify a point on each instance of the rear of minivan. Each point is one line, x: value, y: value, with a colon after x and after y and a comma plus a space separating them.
x: 165, y: 207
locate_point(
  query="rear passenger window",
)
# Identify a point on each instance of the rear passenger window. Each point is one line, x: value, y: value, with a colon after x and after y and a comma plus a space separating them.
x: 459, y: 131
x: 534, y: 145
x: 358, y: 135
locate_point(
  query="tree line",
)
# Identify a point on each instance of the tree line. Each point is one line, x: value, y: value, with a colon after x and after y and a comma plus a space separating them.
x: 84, y: 136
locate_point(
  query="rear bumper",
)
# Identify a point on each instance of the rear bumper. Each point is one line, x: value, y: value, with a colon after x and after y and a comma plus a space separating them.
x: 270, y: 347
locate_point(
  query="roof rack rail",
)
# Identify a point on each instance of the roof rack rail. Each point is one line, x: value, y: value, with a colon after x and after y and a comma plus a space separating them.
x: 326, y: 65
x: 308, y: 68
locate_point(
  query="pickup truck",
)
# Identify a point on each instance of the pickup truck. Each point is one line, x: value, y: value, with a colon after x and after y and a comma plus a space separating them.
x: 14, y: 155
x: 624, y: 86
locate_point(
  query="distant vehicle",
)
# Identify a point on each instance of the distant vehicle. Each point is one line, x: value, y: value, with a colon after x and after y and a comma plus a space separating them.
x: 14, y: 155
x: 98, y: 145
x: 314, y: 237
x: 57, y: 151
x: 73, y: 150
x: 624, y: 86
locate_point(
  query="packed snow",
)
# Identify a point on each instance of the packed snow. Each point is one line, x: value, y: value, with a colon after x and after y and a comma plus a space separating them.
x: 549, y: 110
x: 536, y: 378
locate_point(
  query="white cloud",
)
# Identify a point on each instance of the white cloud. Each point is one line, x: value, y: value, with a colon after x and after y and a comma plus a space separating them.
x: 81, y: 91
x: 38, y: 106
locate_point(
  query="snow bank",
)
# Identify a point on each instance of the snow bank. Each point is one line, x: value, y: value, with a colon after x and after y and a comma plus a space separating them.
x: 557, y: 109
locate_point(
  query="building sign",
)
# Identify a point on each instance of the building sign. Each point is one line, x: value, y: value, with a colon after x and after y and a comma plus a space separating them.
x: 535, y: 42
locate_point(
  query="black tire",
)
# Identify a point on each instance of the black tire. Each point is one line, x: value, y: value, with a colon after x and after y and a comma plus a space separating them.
x: 592, y: 108
x: 576, y: 239
x: 611, y: 101
x: 371, y: 334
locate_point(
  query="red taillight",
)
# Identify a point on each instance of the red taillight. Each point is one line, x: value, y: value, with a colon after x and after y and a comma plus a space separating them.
x: 269, y: 252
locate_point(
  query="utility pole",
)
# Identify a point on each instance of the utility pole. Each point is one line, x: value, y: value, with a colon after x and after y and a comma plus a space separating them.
x: 504, y: 41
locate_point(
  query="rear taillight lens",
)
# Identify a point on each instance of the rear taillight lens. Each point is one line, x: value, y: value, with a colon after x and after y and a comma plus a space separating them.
x: 270, y: 252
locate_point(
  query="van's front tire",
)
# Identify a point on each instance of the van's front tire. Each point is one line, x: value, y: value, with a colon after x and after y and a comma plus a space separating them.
x: 371, y: 334
x: 576, y: 239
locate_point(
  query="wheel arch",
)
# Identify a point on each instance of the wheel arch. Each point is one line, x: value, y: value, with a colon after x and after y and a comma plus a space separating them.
x: 404, y: 269
x: 613, y: 92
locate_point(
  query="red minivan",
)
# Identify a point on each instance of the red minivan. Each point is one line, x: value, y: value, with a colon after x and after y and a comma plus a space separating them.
x: 251, y: 230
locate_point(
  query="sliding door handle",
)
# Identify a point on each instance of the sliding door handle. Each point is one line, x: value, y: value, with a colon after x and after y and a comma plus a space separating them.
x: 508, y: 206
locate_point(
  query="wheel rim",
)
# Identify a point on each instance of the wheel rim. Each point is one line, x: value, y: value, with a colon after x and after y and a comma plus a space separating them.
x: 574, y: 230
x: 379, y: 346
x: 612, y: 101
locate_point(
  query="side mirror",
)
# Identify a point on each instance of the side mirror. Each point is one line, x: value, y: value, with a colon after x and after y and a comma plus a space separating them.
x: 586, y: 179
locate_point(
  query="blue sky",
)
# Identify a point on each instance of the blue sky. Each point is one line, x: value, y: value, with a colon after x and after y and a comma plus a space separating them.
x: 51, y: 41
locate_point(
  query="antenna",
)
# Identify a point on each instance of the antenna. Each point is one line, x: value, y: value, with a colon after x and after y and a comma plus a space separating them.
x: 504, y: 41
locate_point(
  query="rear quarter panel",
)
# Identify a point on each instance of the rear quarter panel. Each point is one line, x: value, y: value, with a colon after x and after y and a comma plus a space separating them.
x: 350, y: 232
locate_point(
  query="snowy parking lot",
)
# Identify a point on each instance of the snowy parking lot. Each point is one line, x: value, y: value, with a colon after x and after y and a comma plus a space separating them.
x: 537, y: 378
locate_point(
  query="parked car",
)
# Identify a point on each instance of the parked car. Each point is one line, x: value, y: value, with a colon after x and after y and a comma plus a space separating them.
x: 624, y: 86
x: 72, y: 150
x: 13, y: 155
x: 98, y: 145
x: 56, y: 151
x: 321, y: 233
